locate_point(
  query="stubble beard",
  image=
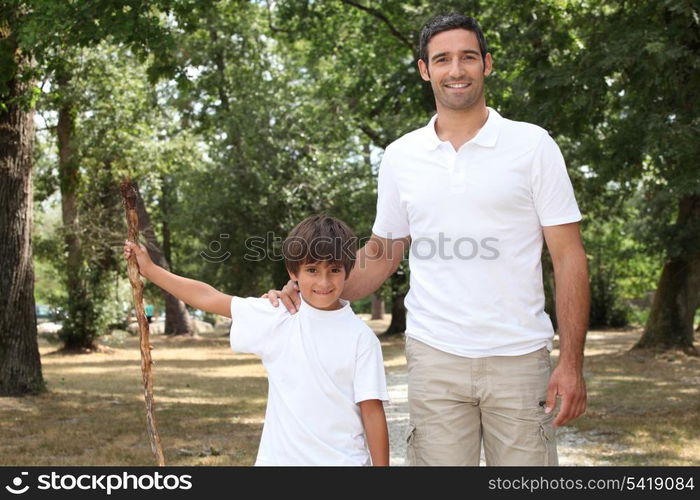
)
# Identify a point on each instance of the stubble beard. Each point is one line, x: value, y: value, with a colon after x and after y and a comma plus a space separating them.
x: 464, y: 102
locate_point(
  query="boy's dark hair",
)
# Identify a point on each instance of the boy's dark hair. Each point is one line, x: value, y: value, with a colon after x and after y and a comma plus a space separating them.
x: 446, y: 22
x: 320, y: 238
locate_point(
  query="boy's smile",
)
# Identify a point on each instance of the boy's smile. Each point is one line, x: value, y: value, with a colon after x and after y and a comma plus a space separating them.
x: 321, y: 284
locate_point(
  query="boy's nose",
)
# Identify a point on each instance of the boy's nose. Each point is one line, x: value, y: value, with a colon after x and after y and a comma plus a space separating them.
x: 325, y: 279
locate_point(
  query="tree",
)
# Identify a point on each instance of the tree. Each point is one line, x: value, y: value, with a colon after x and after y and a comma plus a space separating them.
x: 275, y: 152
x: 617, y: 85
x: 88, y: 171
x: 671, y: 320
x: 20, y: 366
x: 177, y: 320
x: 29, y: 29
x: 642, y: 62
x: 80, y: 325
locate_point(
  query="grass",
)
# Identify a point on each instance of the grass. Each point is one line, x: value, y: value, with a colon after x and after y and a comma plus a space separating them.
x: 643, y: 407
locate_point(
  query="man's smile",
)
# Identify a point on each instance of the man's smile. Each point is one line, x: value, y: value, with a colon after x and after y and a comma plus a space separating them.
x: 457, y: 85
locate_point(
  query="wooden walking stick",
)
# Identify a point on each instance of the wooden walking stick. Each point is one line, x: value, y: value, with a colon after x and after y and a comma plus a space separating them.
x: 129, y: 197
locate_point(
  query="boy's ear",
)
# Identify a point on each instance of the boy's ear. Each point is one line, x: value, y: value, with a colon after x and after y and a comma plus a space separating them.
x: 292, y: 276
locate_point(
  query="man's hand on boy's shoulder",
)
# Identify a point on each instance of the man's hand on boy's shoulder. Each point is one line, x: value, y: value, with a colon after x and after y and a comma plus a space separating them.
x: 142, y: 258
x: 289, y: 295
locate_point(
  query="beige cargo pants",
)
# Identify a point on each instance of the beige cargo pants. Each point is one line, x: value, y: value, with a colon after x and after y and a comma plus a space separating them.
x: 456, y: 402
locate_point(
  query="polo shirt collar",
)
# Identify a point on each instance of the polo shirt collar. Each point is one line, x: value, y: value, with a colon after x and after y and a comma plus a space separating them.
x: 486, y: 137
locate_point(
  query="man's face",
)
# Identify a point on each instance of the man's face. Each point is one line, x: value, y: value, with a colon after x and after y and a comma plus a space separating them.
x: 455, y: 69
x: 321, y: 284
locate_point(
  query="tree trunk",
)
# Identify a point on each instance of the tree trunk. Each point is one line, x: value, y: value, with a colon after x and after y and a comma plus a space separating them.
x: 377, y: 306
x: 20, y: 363
x: 550, y: 304
x: 79, y: 327
x: 177, y: 321
x: 671, y: 319
x: 165, y: 205
x: 398, y: 310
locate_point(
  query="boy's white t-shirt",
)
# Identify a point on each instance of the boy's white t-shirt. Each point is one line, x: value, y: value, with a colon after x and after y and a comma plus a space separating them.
x: 320, y: 365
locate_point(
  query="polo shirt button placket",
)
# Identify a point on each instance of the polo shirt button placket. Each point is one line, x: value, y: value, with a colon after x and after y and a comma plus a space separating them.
x: 458, y: 174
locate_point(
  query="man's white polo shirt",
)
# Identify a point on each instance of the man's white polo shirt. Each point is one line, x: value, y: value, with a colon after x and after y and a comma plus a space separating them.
x: 475, y: 218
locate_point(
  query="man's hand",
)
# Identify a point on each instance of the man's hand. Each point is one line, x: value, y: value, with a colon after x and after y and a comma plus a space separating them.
x: 289, y: 296
x: 569, y: 385
x: 142, y: 258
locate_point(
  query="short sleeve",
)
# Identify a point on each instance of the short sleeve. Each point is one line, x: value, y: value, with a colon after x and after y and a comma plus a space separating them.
x: 392, y: 219
x: 253, y: 321
x: 370, y: 380
x: 552, y: 191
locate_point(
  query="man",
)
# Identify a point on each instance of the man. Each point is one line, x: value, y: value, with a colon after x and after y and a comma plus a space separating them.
x: 475, y: 194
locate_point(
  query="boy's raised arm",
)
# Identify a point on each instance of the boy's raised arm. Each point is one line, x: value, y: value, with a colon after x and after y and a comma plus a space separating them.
x: 194, y: 293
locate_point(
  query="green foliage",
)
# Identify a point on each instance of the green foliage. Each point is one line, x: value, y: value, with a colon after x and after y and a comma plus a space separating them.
x: 641, y: 61
x: 118, y: 133
x: 47, y: 246
x: 273, y: 149
x: 240, y: 118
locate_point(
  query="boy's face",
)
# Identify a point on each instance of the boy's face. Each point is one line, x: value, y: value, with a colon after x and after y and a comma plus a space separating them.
x: 321, y: 284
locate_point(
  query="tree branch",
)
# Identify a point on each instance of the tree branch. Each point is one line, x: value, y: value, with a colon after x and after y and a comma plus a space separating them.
x: 273, y: 28
x: 385, y: 20
x: 373, y: 135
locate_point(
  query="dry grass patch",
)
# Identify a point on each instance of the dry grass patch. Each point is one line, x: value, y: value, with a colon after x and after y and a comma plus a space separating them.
x: 643, y: 407
x: 210, y: 404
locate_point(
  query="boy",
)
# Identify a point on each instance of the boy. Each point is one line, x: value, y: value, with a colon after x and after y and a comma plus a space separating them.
x: 325, y: 368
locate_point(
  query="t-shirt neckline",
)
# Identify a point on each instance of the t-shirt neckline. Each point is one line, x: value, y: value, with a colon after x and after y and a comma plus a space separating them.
x: 308, y: 309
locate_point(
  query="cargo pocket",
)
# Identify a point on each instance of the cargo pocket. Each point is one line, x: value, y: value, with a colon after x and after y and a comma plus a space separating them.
x: 549, y: 442
x: 410, y: 451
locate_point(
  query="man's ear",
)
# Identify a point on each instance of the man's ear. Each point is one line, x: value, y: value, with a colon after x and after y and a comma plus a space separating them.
x: 488, y: 64
x: 423, y: 69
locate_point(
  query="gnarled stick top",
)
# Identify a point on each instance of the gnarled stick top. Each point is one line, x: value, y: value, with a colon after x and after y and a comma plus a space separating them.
x: 129, y: 195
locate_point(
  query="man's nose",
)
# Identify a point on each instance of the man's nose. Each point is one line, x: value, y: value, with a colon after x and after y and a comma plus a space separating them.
x: 456, y: 69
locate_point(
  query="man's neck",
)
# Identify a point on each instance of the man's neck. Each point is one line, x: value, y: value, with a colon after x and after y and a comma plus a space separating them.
x: 459, y: 127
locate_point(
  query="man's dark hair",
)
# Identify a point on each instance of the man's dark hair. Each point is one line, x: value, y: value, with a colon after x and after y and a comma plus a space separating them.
x: 446, y: 22
x: 320, y: 238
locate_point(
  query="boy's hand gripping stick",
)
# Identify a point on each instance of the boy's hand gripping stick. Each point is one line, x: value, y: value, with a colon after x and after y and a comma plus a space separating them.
x: 129, y: 197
